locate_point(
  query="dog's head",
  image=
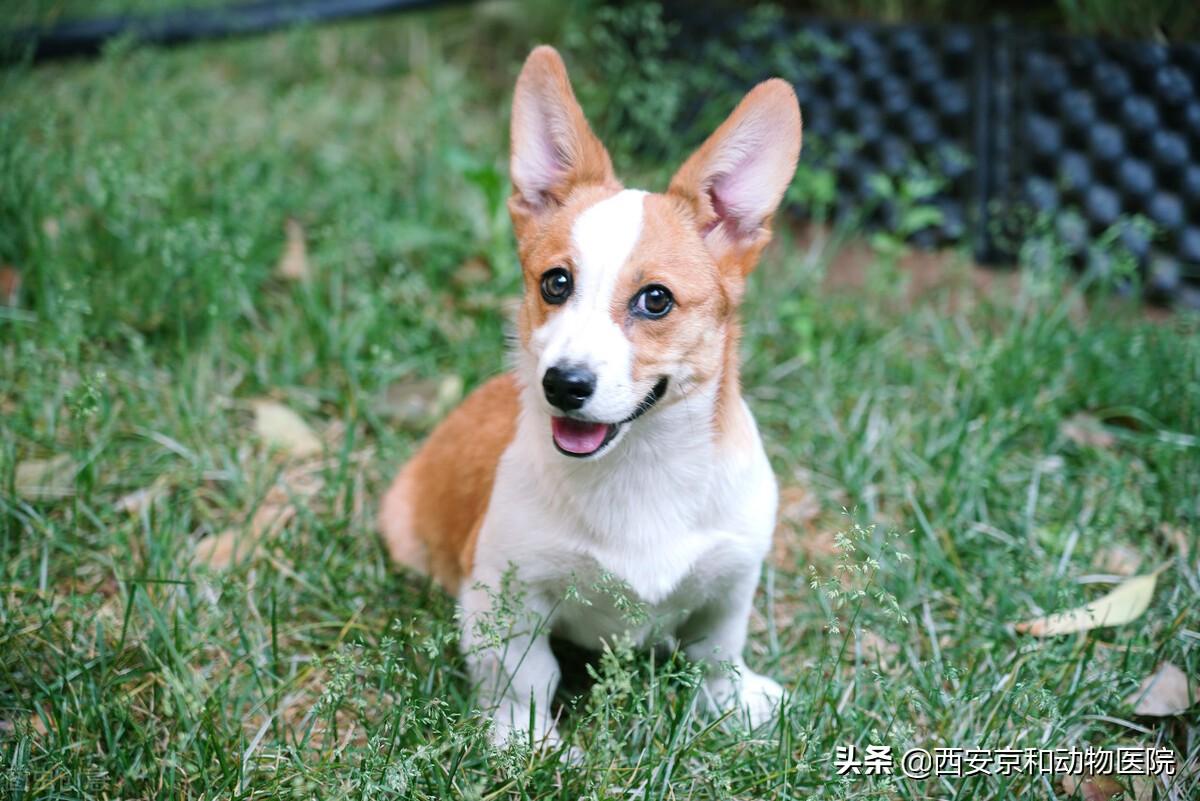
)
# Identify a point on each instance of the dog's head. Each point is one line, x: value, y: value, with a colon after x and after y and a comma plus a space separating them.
x: 630, y: 297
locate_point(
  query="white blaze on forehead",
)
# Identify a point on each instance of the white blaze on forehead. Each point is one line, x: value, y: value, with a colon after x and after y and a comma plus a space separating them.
x: 584, y: 333
x: 603, y: 238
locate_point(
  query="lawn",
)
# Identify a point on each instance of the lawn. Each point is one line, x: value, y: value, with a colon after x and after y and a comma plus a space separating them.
x: 193, y: 599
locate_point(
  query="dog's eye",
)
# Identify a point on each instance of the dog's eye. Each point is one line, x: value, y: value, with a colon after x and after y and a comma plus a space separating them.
x: 654, y: 301
x: 556, y: 285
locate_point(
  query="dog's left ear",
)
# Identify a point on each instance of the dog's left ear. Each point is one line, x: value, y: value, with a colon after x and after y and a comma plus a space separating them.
x: 735, y: 181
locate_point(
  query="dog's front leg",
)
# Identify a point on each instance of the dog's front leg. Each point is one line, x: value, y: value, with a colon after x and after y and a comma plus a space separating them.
x: 511, y: 663
x: 716, y: 636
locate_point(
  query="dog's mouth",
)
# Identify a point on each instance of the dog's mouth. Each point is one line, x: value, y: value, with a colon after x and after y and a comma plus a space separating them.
x: 583, y: 438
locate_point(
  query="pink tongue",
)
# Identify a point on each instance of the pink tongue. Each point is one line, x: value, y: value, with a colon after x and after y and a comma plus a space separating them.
x: 576, y: 436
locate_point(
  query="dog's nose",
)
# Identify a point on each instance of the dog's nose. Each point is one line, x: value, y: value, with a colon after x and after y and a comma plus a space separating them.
x: 568, y: 388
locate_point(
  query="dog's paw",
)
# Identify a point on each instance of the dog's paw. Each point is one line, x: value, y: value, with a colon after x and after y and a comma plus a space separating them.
x: 504, y: 737
x: 511, y: 726
x: 754, y: 698
x: 760, y: 698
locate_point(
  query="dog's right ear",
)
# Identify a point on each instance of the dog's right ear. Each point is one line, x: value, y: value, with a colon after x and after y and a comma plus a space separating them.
x: 553, y: 148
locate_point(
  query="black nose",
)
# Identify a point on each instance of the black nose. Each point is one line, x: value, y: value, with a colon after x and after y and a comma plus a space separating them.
x: 568, y: 388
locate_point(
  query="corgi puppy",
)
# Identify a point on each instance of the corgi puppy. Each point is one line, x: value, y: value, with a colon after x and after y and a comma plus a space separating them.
x: 618, y: 451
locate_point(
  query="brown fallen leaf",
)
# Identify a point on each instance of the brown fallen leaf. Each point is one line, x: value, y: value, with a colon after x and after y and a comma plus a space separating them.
x: 1180, y: 783
x: 45, y: 479
x: 241, y: 543
x: 1125, y: 603
x: 280, y: 427
x: 417, y: 401
x: 1120, y: 559
x: 1085, y: 430
x: 1091, y: 788
x: 10, y: 286
x: 1165, y: 692
x: 1175, y: 536
x: 293, y: 264
x: 221, y: 550
x: 138, y: 501
x: 1143, y: 787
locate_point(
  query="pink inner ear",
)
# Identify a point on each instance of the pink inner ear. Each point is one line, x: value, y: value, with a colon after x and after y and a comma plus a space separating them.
x: 720, y: 213
x: 748, y: 171
x: 543, y: 168
x: 541, y: 160
x: 723, y: 195
x: 551, y: 170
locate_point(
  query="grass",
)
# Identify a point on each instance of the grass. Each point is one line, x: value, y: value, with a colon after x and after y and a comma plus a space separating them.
x: 144, y: 198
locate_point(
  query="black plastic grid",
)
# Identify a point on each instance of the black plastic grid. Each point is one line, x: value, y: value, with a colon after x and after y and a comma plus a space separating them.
x: 1021, y: 125
x: 893, y: 97
x: 1112, y: 129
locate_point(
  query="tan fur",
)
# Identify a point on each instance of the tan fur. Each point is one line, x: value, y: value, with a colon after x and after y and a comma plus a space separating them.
x: 431, y: 515
x: 670, y: 252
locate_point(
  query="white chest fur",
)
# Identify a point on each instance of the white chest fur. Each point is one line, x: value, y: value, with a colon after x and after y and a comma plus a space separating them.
x: 669, y: 520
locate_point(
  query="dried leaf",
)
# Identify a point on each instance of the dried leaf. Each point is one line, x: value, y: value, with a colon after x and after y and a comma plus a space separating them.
x: 218, y: 551
x: 1165, y: 692
x: 238, y: 544
x: 1091, y: 788
x: 1125, y: 603
x: 1087, y: 431
x: 277, y: 509
x: 10, y: 286
x: 1143, y: 787
x: 41, y: 479
x: 1119, y: 559
x: 138, y: 501
x: 293, y: 264
x: 419, y: 400
x: 1177, y: 538
x: 1180, y: 784
x: 280, y: 427
x: 135, y: 502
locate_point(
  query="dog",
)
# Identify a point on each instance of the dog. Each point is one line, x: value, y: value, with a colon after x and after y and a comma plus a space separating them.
x: 618, y: 448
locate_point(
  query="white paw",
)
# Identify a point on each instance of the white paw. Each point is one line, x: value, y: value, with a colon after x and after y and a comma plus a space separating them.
x: 761, y: 698
x: 504, y: 736
x: 511, y: 725
x: 754, y: 697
